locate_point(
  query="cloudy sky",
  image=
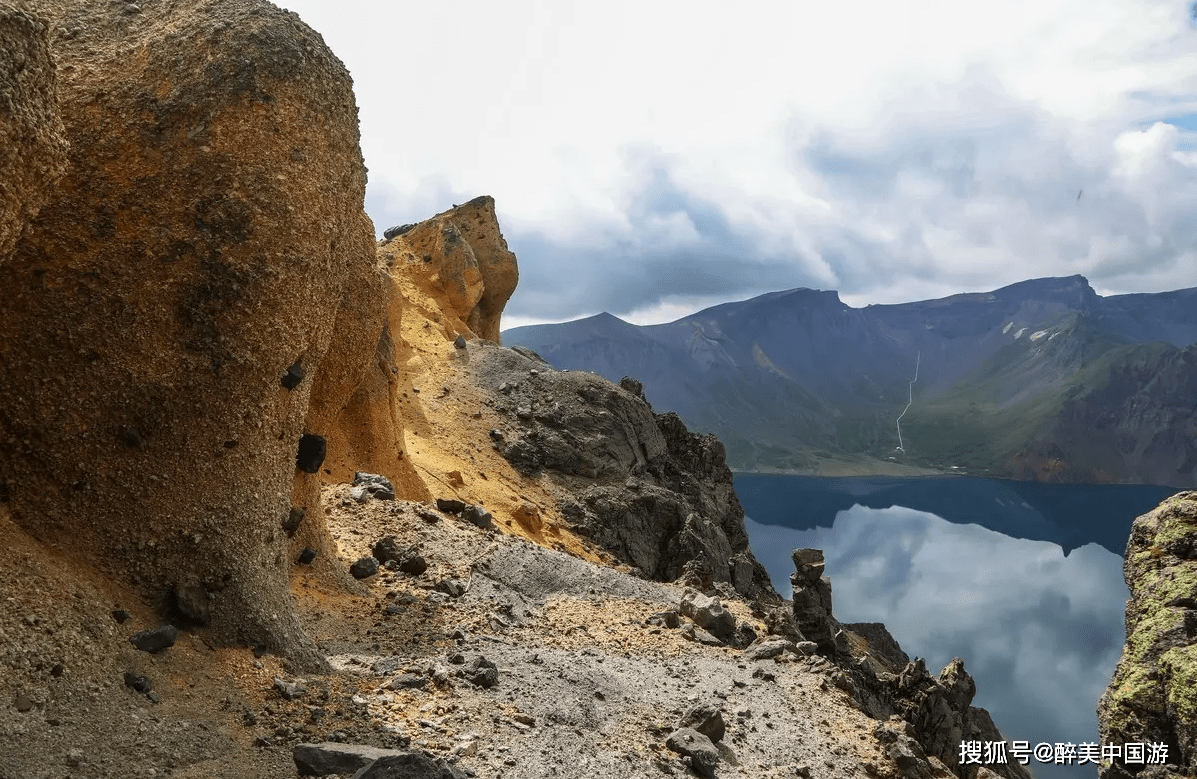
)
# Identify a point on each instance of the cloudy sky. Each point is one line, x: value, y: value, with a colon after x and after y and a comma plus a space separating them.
x: 650, y: 159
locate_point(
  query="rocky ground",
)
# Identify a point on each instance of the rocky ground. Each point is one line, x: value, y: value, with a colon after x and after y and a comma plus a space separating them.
x: 497, y: 655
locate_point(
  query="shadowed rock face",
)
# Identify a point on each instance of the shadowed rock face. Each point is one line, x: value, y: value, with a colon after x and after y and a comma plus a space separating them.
x: 1153, y: 695
x: 32, y: 146
x: 637, y: 483
x: 208, y: 227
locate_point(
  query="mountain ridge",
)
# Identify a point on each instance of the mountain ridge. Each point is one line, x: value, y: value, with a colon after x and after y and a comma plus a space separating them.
x: 796, y: 378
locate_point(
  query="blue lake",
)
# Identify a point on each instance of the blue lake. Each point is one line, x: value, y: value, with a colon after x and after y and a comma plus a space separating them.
x: 1022, y: 581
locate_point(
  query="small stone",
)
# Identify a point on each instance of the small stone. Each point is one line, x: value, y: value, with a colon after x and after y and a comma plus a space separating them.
x: 408, y: 682
x: 155, y: 639
x: 193, y: 603
x: 139, y: 684
x: 769, y: 649
x: 120, y: 615
x: 707, y: 719
x: 364, y: 568
x: 387, y: 549
x: 450, y: 505
x: 57, y: 670
x: 293, y: 521
x: 312, y: 450
x: 460, y: 341
x: 670, y: 619
x: 412, y: 562
x: 376, y: 486
x: 451, y: 587
x: 306, y: 556
x: 74, y: 758
x: 23, y: 703
x: 293, y: 376
x: 290, y: 690
x: 481, y: 672
x: 692, y: 744
x: 428, y: 515
x: 477, y: 515
x: 708, y: 613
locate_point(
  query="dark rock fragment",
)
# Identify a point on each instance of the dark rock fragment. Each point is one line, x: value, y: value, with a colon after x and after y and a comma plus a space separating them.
x: 394, y: 232
x: 481, y: 672
x: 293, y: 376
x: 312, y: 449
x: 633, y: 386
x: 706, y: 718
x: 428, y: 515
x: 155, y: 639
x: 333, y: 758
x: 450, y: 505
x: 387, y: 549
x: 460, y: 341
x: 290, y: 690
x: 477, y: 515
x: 694, y: 745
x: 364, y: 568
x: 669, y: 619
x: 408, y: 682
x: 454, y: 588
x: 376, y: 486
x: 23, y: 703
x: 138, y: 683
x: 120, y: 615
x: 410, y: 765
x: 192, y: 603
x: 293, y: 521
x: 306, y: 556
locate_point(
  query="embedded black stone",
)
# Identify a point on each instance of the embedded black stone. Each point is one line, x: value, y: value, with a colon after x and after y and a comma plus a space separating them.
x: 307, y: 555
x: 155, y: 639
x: 139, y: 683
x: 312, y: 449
x: 293, y: 521
x: 293, y: 376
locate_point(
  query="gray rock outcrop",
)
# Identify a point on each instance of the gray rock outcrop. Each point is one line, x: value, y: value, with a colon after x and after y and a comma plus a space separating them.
x: 1152, y: 697
x: 639, y: 484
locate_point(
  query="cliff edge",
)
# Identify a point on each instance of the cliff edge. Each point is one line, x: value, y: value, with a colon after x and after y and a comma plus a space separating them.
x: 1152, y: 698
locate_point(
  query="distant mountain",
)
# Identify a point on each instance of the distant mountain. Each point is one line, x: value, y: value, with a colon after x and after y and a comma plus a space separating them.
x: 1043, y: 380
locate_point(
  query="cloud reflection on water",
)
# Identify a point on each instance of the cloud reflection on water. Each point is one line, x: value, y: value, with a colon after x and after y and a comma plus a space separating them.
x: 1039, y: 632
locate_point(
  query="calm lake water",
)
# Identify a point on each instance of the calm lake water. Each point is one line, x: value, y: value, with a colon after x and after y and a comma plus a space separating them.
x: 1023, y: 581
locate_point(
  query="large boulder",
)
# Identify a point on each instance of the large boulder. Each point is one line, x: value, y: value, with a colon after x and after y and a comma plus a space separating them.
x: 160, y: 307
x: 1153, y: 696
x: 464, y: 253
x: 32, y: 144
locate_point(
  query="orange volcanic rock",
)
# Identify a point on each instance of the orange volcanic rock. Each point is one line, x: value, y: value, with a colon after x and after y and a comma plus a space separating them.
x: 469, y: 259
x: 32, y: 147
x: 199, y: 249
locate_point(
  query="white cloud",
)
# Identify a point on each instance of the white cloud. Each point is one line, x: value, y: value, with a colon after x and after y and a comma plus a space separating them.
x: 881, y: 148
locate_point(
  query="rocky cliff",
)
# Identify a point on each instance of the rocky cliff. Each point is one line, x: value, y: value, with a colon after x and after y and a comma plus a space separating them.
x: 1152, y: 698
x: 273, y: 501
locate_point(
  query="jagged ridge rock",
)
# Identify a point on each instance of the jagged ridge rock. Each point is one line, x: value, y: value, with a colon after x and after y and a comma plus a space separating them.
x: 639, y: 484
